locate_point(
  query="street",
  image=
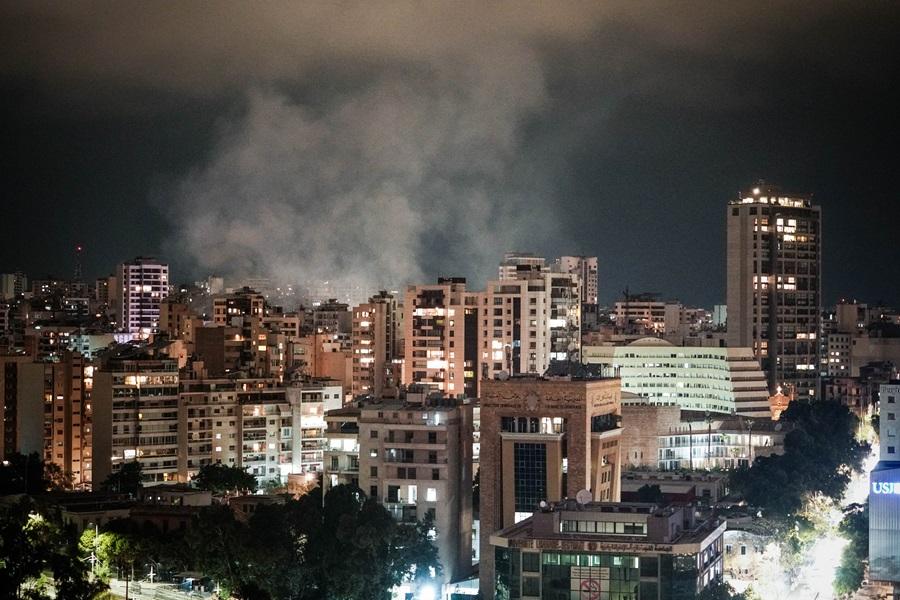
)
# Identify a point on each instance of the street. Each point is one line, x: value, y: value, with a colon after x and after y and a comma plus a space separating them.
x: 152, y: 591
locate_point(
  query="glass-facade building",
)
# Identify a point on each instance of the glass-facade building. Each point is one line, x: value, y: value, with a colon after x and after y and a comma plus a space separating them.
x: 603, y: 552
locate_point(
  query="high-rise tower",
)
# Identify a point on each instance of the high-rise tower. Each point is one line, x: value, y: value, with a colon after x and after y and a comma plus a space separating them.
x: 144, y: 283
x: 774, y: 284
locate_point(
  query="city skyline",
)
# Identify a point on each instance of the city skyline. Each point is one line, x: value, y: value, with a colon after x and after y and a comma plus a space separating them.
x: 580, y: 130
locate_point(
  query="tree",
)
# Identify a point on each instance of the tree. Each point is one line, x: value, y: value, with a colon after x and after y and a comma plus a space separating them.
x: 222, y: 549
x: 127, y: 480
x: 851, y: 570
x: 21, y: 474
x: 650, y: 493
x: 56, y: 479
x: 221, y: 479
x: 34, y: 543
x: 820, y: 453
x: 720, y: 590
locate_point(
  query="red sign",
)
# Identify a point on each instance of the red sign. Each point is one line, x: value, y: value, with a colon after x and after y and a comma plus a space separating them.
x: 590, y: 589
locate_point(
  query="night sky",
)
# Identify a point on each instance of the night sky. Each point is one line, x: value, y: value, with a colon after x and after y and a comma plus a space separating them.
x: 380, y: 142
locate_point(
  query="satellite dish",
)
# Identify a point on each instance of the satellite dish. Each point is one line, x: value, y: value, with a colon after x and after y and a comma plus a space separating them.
x: 503, y: 375
x: 543, y: 505
x: 584, y: 497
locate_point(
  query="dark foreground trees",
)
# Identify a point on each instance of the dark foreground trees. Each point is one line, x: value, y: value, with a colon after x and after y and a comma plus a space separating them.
x: 350, y: 549
x: 820, y: 453
x: 220, y: 479
x: 855, y: 527
x: 35, y: 545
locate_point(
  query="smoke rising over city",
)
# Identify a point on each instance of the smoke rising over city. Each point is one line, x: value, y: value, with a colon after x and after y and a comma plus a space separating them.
x: 385, y: 185
x: 441, y: 134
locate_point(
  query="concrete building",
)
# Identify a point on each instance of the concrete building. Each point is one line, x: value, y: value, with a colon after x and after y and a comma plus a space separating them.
x: 260, y: 425
x: 722, y: 380
x: 331, y: 317
x: 441, y: 337
x: 21, y: 406
x: 560, y: 293
x: 585, y: 267
x: 416, y: 459
x: 341, y: 456
x: 67, y: 417
x: 323, y: 356
x: 144, y: 284
x: 135, y: 408
x: 244, y: 302
x: 12, y: 285
x: 532, y: 431
x: 645, y: 314
x: 774, y: 285
x: 669, y: 438
x: 376, y: 344
x: 518, y: 265
x: 676, y: 487
x: 607, y: 550
x: 884, y: 494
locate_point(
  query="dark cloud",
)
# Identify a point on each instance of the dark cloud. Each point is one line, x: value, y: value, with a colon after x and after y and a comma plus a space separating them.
x: 379, y: 139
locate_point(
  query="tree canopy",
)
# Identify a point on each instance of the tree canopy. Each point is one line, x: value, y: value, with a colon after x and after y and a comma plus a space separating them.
x: 850, y: 572
x: 820, y: 453
x: 220, y: 479
x: 349, y: 549
x: 35, y: 542
x: 127, y: 480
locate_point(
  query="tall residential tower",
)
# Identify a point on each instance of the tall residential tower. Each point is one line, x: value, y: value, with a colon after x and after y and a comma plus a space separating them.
x: 774, y: 284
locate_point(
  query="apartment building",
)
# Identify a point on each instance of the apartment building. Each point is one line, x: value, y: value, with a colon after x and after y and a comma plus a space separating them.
x: 774, y: 284
x: 144, y: 283
x: 416, y: 458
x: 260, y: 425
x: 21, y: 405
x: 135, y: 408
x: 341, y: 455
x: 585, y: 267
x: 376, y: 344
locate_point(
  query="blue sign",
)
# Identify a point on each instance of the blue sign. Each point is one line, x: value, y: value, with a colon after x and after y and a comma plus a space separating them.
x: 885, y: 487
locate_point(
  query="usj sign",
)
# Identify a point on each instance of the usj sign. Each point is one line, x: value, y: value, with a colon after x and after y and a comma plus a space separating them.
x: 885, y: 487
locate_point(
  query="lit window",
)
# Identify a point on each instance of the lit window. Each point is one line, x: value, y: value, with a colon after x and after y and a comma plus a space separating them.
x: 431, y: 495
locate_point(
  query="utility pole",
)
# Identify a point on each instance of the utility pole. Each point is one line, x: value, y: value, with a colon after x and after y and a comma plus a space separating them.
x: 691, y: 445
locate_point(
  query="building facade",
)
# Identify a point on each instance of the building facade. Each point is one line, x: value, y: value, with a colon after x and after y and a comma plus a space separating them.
x: 585, y: 267
x: 722, y: 380
x: 774, y: 284
x: 376, y: 344
x: 884, y: 494
x: 135, y: 407
x: 416, y: 459
x: 21, y: 406
x: 593, y: 551
x: 144, y: 283
x: 532, y: 431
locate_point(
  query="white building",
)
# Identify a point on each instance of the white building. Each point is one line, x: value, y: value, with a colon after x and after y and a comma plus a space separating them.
x: 144, y: 284
x: 725, y: 380
x: 416, y: 460
x: 586, y: 269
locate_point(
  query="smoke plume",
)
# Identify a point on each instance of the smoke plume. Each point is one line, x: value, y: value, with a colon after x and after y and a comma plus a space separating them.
x: 409, y: 176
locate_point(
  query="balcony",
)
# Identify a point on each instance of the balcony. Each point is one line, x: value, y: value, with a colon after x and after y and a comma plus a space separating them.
x: 402, y: 512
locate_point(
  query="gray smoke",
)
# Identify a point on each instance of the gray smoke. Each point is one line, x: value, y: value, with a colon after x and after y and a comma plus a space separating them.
x: 409, y: 176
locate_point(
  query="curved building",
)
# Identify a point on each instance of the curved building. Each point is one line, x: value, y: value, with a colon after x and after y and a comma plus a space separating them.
x: 653, y: 371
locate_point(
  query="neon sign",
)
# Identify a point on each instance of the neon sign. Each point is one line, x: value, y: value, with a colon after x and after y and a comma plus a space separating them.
x: 885, y: 487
